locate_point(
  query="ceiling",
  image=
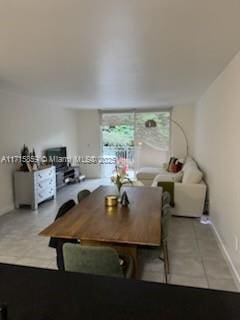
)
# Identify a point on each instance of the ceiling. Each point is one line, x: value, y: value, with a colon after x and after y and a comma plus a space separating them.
x: 116, y: 53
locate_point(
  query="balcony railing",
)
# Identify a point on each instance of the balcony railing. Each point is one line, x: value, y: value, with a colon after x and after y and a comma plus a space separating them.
x: 123, y: 155
x: 134, y: 158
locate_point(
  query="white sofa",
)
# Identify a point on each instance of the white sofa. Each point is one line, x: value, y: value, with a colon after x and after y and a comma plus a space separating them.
x: 189, y: 188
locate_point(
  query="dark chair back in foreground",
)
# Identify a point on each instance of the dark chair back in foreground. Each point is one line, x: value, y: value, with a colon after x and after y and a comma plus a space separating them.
x: 57, y: 243
x: 83, y: 194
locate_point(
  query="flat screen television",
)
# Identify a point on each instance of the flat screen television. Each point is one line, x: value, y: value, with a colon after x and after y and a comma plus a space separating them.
x: 58, y: 157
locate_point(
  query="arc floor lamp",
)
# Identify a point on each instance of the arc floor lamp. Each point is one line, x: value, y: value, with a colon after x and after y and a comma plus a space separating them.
x: 153, y: 124
x: 184, y: 134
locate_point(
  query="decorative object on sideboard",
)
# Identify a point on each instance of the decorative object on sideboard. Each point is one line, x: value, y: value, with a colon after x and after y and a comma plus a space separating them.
x: 29, y: 160
x: 124, y: 199
x: 29, y: 167
x: 34, y: 161
x: 24, y: 157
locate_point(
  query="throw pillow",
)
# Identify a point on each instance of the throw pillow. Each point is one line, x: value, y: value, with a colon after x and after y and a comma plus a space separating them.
x: 171, y: 167
x: 192, y: 175
x: 171, y: 164
x: 189, y: 163
x: 179, y: 166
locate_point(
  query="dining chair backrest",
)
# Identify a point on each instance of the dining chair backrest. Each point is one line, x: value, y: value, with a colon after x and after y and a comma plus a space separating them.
x: 58, y: 243
x: 65, y: 208
x: 61, y: 212
x: 92, y: 259
x: 83, y: 194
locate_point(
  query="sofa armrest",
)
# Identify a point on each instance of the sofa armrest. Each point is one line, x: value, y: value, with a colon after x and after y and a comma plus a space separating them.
x: 163, y: 178
x: 189, y: 199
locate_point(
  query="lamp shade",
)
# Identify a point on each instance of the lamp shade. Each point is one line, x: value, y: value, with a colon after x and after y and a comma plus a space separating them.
x: 150, y: 123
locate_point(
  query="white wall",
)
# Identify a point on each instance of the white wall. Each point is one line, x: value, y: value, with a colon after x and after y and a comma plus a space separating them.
x: 89, y: 140
x: 185, y: 116
x: 38, y: 125
x: 218, y: 153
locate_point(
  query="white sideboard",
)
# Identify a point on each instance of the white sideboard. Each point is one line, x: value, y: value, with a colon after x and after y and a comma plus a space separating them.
x: 32, y: 188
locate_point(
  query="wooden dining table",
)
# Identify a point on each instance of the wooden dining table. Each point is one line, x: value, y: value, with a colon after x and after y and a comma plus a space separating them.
x: 124, y: 228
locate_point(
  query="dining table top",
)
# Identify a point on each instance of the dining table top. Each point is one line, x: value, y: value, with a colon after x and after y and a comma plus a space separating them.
x: 91, y: 220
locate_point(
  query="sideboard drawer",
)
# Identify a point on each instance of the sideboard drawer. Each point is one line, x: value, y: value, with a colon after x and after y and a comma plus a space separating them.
x: 45, y: 174
x: 46, y: 184
x: 45, y: 194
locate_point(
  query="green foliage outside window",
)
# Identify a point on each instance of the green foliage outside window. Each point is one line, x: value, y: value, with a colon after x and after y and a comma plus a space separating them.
x: 124, y: 134
x: 118, y: 136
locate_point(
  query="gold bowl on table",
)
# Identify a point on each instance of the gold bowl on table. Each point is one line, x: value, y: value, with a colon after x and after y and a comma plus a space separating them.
x: 111, y: 201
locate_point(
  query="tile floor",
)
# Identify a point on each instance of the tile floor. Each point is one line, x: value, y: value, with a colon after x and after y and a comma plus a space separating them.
x: 195, y: 258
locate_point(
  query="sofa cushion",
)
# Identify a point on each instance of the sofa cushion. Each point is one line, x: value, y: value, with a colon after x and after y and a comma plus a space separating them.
x: 192, y: 175
x: 149, y: 173
x: 189, y: 163
x: 178, y: 176
x: 167, y: 177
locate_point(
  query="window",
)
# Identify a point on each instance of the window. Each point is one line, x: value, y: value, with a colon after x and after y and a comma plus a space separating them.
x: 126, y: 135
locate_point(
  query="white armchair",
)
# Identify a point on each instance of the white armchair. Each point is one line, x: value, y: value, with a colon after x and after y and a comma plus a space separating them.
x: 189, y: 199
x: 189, y: 195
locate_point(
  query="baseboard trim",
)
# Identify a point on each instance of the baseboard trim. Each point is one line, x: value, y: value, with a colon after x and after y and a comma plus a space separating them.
x: 6, y: 210
x: 235, y: 274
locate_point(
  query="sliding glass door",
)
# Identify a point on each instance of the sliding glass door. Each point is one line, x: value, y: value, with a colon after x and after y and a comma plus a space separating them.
x: 135, y: 139
x: 118, y: 141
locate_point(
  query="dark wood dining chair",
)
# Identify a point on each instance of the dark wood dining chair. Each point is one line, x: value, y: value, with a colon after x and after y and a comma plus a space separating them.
x: 57, y: 243
x: 83, y: 194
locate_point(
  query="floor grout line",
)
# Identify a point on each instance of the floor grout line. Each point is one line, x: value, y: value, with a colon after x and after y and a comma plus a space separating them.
x: 197, y: 240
